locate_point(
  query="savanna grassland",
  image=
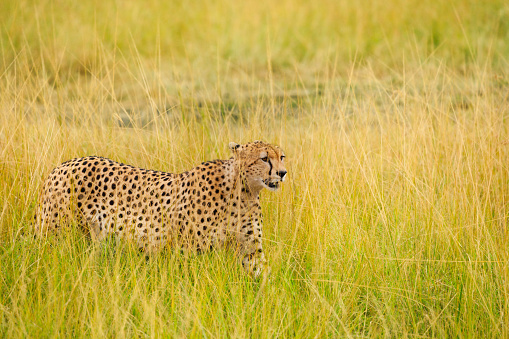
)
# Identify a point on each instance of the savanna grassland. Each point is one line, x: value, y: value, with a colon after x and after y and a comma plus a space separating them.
x: 394, y: 119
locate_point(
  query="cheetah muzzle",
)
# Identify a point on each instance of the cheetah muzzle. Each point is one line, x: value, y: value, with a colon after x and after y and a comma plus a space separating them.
x: 210, y: 206
x: 272, y: 185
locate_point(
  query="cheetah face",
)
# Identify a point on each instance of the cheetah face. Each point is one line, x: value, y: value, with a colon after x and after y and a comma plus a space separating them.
x: 276, y: 170
x: 262, y: 163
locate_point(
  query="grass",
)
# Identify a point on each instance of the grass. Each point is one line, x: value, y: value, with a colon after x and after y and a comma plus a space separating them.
x: 394, y: 119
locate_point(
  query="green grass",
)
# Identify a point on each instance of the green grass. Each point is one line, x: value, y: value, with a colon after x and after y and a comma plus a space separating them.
x: 394, y: 120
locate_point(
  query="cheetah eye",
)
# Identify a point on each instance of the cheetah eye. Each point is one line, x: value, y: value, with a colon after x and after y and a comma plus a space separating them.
x: 282, y: 157
x: 265, y: 159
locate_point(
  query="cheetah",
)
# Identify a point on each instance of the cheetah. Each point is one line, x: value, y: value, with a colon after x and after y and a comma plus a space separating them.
x: 214, y: 205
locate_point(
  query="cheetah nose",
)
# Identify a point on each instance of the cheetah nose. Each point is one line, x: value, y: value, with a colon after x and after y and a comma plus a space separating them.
x: 282, y: 174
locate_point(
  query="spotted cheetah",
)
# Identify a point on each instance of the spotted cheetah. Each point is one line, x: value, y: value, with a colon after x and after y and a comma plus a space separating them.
x: 214, y: 205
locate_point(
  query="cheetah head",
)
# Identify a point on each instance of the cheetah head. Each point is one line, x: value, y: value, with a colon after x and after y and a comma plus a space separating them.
x: 262, y: 164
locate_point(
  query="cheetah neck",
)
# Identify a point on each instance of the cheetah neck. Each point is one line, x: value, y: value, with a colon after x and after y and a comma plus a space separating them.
x: 240, y: 185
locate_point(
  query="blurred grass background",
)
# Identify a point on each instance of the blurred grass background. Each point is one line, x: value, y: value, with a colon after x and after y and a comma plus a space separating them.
x: 393, y: 116
x: 221, y: 41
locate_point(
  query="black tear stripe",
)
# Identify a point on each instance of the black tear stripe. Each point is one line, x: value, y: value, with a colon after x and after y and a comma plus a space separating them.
x: 270, y: 171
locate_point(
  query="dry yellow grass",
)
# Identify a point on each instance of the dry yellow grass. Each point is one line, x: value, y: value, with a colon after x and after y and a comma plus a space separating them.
x: 394, y: 121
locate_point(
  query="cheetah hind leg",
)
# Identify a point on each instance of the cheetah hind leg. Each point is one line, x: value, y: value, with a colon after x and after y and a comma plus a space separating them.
x: 93, y: 228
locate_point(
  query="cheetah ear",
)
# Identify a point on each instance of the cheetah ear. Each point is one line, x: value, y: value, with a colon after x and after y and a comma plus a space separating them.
x: 233, y: 146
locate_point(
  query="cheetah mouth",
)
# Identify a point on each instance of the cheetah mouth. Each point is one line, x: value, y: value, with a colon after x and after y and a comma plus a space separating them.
x: 272, y: 185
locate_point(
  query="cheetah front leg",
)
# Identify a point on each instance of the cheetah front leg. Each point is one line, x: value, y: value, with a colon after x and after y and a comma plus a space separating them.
x: 255, y: 263
x: 251, y: 254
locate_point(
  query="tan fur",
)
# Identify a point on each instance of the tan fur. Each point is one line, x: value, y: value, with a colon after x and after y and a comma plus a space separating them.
x: 212, y: 205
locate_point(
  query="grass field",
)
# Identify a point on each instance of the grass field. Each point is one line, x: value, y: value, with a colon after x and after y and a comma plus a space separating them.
x: 393, y: 117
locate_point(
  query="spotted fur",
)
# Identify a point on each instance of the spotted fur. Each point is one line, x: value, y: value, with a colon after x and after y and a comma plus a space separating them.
x: 213, y: 205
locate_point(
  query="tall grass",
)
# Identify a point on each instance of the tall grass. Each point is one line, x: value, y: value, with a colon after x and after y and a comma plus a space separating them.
x: 393, y: 117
